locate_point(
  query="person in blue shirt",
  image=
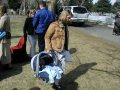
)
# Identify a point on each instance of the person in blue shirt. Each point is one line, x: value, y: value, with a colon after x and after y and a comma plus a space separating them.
x: 41, y: 22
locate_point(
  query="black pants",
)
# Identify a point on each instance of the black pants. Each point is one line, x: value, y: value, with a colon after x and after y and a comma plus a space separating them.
x: 41, y: 42
x: 66, y: 38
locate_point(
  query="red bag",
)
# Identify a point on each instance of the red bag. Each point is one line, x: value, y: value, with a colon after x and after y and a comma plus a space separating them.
x: 18, y: 52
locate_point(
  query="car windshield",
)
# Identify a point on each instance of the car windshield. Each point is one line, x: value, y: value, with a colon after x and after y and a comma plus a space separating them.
x: 80, y: 10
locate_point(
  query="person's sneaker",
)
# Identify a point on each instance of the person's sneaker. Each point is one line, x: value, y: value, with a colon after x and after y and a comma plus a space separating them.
x: 57, y: 87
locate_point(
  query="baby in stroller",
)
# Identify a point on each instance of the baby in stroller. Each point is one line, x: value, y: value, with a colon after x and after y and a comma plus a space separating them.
x: 44, y: 68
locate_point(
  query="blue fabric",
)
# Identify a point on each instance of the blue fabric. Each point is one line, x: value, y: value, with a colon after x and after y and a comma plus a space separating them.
x: 44, y: 75
x: 52, y: 16
x: 42, y: 19
x: 54, y: 72
x: 41, y: 42
x: 2, y: 34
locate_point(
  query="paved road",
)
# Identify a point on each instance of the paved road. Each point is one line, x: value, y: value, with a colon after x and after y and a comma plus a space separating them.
x: 103, y: 32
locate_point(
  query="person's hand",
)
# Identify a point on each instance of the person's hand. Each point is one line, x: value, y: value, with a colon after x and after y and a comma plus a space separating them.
x: 25, y: 34
x: 48, y: 51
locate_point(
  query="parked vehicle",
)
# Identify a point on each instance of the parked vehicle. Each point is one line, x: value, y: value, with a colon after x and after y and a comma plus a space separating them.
x: 80, y: 13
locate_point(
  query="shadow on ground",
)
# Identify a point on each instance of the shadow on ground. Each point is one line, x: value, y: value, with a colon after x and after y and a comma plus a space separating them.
x: 68, y: 80
x: 17, y: 69
x: 115, y: 73
x: 82, y: 25
x: 35, y: 88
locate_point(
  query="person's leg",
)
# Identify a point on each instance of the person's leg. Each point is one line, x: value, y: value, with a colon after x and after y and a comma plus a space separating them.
x: 6, y: 56
x: 61, y: 60
x: 56, y: 85
x: 35, y: 41
x: 41, y: 42
x: 57, y: 81
x: 32, y: 40
x: 113, y: 31
x: 118, y: 32
x: 1, y: 52
x: 66, y: 38
x: 31, y: 45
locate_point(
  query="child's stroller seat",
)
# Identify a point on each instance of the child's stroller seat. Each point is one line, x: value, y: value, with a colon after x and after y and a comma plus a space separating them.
x: 43, y: 66
x: 38, y: 62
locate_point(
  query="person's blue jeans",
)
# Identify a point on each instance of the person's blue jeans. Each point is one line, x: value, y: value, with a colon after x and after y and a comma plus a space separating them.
x: 33, y: 41
x: 41, y: 42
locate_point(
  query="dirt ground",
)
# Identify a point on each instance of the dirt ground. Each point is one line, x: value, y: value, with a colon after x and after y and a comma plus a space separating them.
x: 95, y: 65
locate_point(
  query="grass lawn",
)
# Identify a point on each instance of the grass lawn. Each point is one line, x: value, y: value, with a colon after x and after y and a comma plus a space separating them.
x: 95, y: 65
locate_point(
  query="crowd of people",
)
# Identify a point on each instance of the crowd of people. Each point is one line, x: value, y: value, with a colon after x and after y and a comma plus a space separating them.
x: 42, y: 26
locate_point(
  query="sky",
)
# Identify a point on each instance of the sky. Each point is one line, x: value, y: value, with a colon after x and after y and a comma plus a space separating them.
x: 112, y: 1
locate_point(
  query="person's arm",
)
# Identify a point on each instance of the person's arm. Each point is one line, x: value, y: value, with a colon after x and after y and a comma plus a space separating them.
x: 36, y: 20
x: 2, y: 22
x: 48, y: 36
x: 25, y: 26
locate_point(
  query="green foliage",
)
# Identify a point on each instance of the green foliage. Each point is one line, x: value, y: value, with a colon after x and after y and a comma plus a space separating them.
x: 116, y: 7
x: 103, y: 6
x: 14, y: 4
x: 72, y: 2
x: 88, y: 4
x: 37, y: 4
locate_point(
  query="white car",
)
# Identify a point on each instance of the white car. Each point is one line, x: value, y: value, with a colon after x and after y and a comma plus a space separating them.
x: 80, y: 13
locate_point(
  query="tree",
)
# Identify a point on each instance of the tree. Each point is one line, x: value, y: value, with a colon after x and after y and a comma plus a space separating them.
x: 103, y: 6
x: 73, y: 2
x: 116, y: 7
x: 37, y: 4
x: 14, y: 4
x: 52, y: 5
x: 88, y: 4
